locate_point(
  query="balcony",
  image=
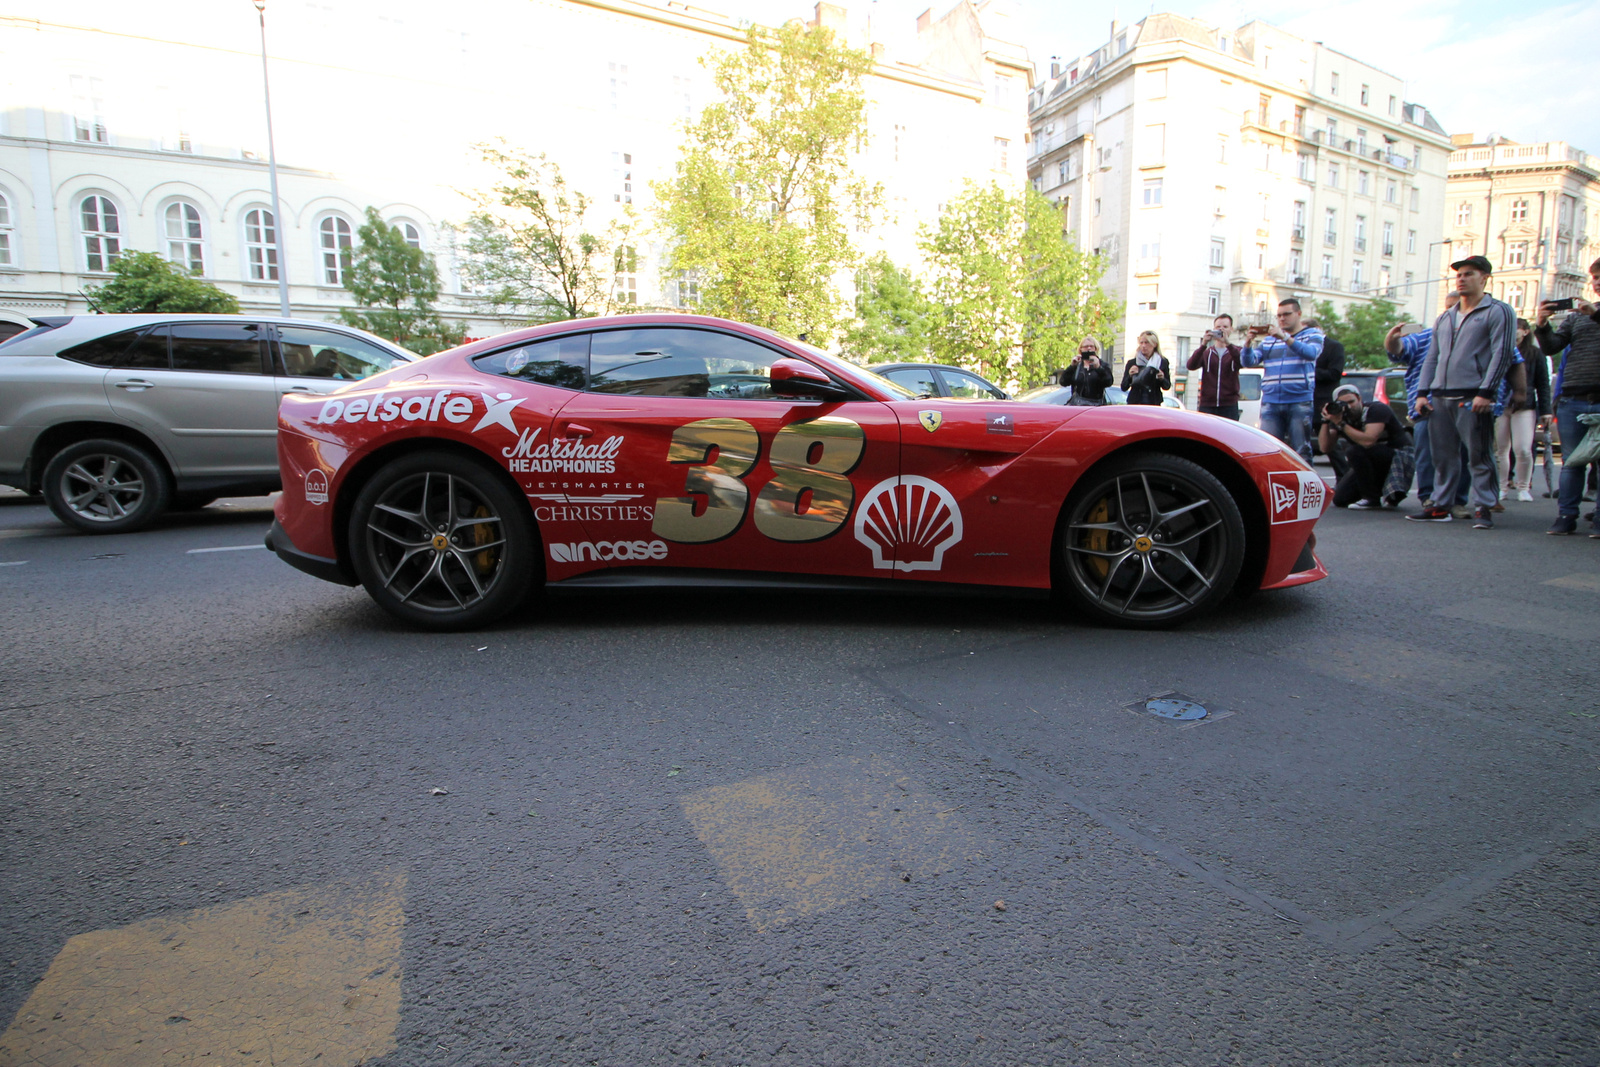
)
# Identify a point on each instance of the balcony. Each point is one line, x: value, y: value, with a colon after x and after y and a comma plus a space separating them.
x: 1299, y: 279
x: 1298, y: 233
x: 1326, y: 282
x: 1361, y: 244
x: 1388, y: 251
x: 1330, y: 239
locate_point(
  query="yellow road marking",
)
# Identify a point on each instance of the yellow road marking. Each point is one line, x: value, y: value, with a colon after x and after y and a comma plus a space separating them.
x: 801, y: 841
x: 300, y: 976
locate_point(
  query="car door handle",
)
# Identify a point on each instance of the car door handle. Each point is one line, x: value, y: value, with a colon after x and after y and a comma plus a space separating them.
x: 136, y: 383
x: 298, y: 389
x: 575, y: 429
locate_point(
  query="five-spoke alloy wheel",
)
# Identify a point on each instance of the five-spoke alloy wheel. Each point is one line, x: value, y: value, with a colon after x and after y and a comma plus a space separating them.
x: 1149, y: 540
x: 441, y: 542
x: 106, y: 486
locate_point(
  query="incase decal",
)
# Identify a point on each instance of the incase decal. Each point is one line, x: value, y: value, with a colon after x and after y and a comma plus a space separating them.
x: 1296, y: 495
x: 583, y: 551
x: 908, y: 522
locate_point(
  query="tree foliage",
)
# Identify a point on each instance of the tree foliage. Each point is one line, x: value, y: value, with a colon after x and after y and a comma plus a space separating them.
x: 893, y: 316
x: 532, y: 248
x: 395, y: 286
x: 1361, y: 329
x: 763, y: 200
x: 1011, y: 292
x: 147, y: 283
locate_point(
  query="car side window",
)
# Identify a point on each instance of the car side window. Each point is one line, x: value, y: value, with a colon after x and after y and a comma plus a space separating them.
x: 1249, y: 387
x: 217, y: 347
x: 560, y: 361
x: 969, y: 386
x: 679, y: 362
x: 917, y: 379
x: 106, y: 351
x: 311, y: 353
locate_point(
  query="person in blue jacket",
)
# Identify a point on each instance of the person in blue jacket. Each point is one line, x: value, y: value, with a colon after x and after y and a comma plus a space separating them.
x: 1287, y: 351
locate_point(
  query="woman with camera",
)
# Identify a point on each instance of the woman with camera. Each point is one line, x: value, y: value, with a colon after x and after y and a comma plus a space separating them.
x: 1367, y: 435
x: 1147, y: 373
x: 1088, y: 376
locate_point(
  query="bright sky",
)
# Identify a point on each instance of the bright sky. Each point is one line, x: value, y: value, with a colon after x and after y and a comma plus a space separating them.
x: 1524, y: 71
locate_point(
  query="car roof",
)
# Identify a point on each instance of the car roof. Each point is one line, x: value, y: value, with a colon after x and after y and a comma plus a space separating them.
x: 74, y: 329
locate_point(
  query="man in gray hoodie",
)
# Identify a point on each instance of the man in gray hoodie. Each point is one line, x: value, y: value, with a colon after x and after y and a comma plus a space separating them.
x: 1468, y: 355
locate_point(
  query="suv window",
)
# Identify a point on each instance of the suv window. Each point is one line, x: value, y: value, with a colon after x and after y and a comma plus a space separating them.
x: 560, y: 361
x: 218, y: 347
x: 1366, y: 383
x: 679, y: 362
x: 966, y: 385
x: 917, y: 379
x: 311, y: 353
x: 106, y: 351
x: 1249, y: 387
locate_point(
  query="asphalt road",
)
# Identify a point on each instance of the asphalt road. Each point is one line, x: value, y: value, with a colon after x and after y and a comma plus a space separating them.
x: 247, y: 818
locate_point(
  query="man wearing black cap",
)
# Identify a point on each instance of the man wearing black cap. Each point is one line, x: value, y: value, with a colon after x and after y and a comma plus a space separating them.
x: 1468, y: 355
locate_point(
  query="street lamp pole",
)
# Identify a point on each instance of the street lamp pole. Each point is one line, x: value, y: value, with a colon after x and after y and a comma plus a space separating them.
x: 1431, y: 279
x: 272, y: 169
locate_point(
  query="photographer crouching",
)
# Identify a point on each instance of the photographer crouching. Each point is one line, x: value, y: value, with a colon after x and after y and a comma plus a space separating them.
x: 1366, y: 436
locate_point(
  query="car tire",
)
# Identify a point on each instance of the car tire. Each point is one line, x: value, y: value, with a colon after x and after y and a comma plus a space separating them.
x: 441, y: 542
x: 106, y: 486
x: 1148, y: 541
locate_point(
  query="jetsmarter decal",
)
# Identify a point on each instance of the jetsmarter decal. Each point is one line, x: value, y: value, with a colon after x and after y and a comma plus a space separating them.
x: 561, y: 456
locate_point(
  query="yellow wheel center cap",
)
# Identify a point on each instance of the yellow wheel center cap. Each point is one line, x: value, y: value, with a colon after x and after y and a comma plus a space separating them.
x: 1143, y: 544
x: 440, y: 542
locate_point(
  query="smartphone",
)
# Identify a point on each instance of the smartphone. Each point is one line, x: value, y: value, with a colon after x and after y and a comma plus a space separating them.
x: 1559, y: 305
x: 1411, y: 328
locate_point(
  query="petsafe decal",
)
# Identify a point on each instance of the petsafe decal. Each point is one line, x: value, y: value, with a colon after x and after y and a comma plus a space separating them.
x: 385, y: 408
x: 908, y: 523
x: 583, y: 551
x: 561, y: 456
x: 497, y: 411
x: 930, y: 419
x: 1296, y: 495
x: 316, y: 487
x: 1000, y: 422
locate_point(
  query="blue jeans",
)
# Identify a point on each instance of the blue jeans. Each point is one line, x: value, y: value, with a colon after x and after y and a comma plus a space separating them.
x: 1567, y: 412
x: 1423, y: 441
x: 1291, y: 424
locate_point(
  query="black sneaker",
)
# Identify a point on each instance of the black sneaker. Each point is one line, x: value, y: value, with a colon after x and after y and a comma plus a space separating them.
x: 1482, y: 519
x: 1434, y: 514
x: 1394, y: 498
x: 1564, y: 524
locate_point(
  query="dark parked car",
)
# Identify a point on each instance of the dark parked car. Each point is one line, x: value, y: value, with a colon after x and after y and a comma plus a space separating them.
x: 936, y: 379
x: 1386, y: 386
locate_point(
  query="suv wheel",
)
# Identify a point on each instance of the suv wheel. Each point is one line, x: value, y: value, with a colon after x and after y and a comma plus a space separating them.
x: 105, y: 486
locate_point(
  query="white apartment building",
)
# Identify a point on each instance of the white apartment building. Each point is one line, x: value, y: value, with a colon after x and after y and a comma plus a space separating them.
x: 1532, y: 209
x: 1223, y: 170
x: 118, y: 134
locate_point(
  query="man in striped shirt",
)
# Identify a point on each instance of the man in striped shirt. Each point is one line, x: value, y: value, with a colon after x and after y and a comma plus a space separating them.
x: 1288, y: 353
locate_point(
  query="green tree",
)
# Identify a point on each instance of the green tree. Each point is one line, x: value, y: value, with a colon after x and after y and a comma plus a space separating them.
x: 395, y: 285
x: 1361, y: 329
x: 763, y: 200
x: 145, y: 282
x: 1012, y: 294
x: 893, y: 316
x: 531, y: 247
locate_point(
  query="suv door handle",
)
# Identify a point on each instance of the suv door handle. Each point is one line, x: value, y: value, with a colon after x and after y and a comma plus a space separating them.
x: 574, y: 429
x: 136, y: 383
x: 298, y: 389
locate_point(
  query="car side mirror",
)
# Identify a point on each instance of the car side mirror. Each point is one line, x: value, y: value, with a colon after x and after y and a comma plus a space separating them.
x: 794, y: 377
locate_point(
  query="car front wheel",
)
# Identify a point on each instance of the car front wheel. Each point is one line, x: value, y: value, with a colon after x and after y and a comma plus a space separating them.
x: 440, y: 542
x: 106, y: 486
x: 1149, y: 541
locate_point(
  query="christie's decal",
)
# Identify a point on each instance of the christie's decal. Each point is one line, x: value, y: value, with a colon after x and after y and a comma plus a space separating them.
x: 1296, y: 495
x: 607, y: 507
x: 316, y: 487
x: 908, y: 522
x: 583, y: 551
x: 560, y: 456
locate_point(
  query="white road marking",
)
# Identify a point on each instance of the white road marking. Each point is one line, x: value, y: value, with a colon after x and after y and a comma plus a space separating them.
x: 225, y: 548
x: 13, y: 563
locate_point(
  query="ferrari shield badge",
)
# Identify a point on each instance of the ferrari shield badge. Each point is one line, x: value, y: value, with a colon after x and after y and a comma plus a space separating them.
x: 930, y: 419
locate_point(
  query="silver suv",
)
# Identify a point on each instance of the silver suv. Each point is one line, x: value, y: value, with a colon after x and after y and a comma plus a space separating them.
x: 116, y: 418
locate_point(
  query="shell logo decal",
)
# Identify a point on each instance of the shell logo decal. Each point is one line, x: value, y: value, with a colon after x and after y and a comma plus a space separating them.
x: 908, y: 523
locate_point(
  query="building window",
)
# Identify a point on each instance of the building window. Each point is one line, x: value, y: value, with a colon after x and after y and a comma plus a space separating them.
x: 1266, y: 207
x: 1263, y: 105
x: 1327, y: 272
x: 334, y: 243
x: 1000, y: 93
x: 1366, y: 95
x: 1261, y: 257
x: 1155, y: 145
x: 6, y: 259
x: 185, y: 237
x: 409, y: 232
x: 1333, y: 84
x: 1097, y: 207
x: 1213, y: 303
x: 1222, y: 150
x: 261, y: 245
x: 1148, y: 297
x: 1333, y: 130
x: 686, y: 289
x: 1392, y: 103
x: 1411, y: 242
x: 1517, y: 254
x: 1218, y: 250
x: 1364, y: 182
x: 1464, y: 213
x: 1358, y: 275
x: 1514, y: 293
x: 1150, y: 254
x: 1361, y: 141
x: 1266, y: 156
x: 1002, y: 154
x: 1416, y: 200
x: 1062, y: 170
x: 1388, y: 239
x: 1391, y: 192
x: 102, y: 233
x: 627, y: 275
x: 1297, y: 267
x: 1152, y: 192
x: 1385, y: 281
x: 1330, y: 231
x: 1305, y: 167
x: 1519, y: 211
x: 88, y: 110
x: 622, y: 177
x: 1333, y: 175
x: 618, y: 74
x: 1410, y: 277
x: 1361, y: 233
x: 1299, y: 220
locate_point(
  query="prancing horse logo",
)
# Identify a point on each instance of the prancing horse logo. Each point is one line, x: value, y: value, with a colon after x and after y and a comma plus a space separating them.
x: 930, y: 419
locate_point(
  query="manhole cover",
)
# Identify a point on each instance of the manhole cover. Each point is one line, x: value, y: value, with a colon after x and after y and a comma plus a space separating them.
x: 1173, y: 708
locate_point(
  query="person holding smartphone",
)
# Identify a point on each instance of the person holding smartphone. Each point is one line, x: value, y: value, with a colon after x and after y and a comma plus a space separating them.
x: 1288, y: 351
x: 1218, y: 363
x: 1580, y: 390
x: 1088, y: 376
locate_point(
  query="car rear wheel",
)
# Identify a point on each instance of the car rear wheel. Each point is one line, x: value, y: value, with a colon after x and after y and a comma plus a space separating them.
x: 1149, y: 541
x: 440, y: 542
x: 105, y: 486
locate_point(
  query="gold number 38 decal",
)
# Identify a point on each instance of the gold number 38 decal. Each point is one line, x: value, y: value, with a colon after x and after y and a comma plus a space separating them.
x: 807, y: 498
